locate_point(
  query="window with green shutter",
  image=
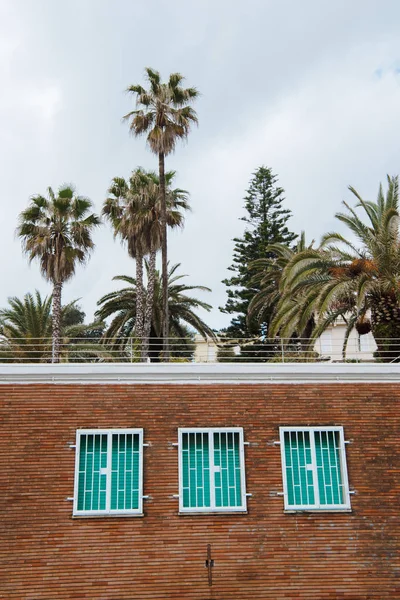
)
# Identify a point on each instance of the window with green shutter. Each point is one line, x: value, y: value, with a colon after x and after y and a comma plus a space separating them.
x: 108, y: 472
x: 314, y: 468
x: 211, y: 470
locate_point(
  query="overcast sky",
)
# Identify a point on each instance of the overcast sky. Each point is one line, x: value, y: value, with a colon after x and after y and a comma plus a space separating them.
x: 310, y: 89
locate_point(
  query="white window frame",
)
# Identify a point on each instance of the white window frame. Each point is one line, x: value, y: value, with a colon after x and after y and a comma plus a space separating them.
x: 343, y: 469
x: 212, y: 508
x: 108, y: 511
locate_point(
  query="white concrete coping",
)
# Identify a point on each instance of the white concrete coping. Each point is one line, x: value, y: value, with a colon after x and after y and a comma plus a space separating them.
x: 195, y: 373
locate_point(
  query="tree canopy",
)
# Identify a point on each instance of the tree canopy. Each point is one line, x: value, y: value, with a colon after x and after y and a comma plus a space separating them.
x: 57, y: 231
x: 121, y: 306
x: 354, y: 276
x: 266, y: 224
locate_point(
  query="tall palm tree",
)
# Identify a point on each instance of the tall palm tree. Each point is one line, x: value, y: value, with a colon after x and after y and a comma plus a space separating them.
x: 355, y: 279
x: 26, y: 330
x: 134, y: 211
x: 176, y: 202
x: 125, y: 208
x: 165, y: 116
x: 121, y: 305
x: 58, y: 232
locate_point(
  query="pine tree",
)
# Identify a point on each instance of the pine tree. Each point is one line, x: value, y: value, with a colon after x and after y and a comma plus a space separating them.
x: 265, y: 224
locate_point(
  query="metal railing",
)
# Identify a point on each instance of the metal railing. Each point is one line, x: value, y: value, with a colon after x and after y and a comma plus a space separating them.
x: 199, y: 350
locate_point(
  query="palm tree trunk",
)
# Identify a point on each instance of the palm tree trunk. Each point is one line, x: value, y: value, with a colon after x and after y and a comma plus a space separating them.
x: 148, y: 311
x: 139, y: 319
x: 385, y: 327
x: 164, y: 258
x: 56, y: 347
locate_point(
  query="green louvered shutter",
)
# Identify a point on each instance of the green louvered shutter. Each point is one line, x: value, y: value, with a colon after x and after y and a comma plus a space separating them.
x: 227, y: 472
x: 315, y: 472
x: 299, y: 473
x: 195, y: 470
x: 211, y: 470
x: 92, y: 481
x: 108, y: 476
x: 327, y: 451
x: 125, y: 461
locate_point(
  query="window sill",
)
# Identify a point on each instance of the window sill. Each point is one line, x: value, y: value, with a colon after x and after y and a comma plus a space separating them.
x: 108, y: 516
x: 291, y: 511
x: 197, y: 513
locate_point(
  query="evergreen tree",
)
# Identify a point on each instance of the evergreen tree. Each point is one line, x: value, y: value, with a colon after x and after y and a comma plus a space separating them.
x: 265, y: 224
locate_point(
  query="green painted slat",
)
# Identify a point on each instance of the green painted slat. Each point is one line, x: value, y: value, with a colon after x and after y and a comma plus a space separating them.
x: 129, y: 495
x: 192, y: 471
x: 185, y: 468
x: 114, y: 471
x: 121, y: 471
x: 114, y: 453
x: 96, y: 472
x: 224, y: 471
x: 199, y: 469
x: 82, y: 454
x: 206, y: 472
x: 290, y: 487
x: 89, y: 471
x: 81, y: 490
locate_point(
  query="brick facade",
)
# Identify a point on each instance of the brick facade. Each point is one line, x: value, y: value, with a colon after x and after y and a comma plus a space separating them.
x: 265, y: 554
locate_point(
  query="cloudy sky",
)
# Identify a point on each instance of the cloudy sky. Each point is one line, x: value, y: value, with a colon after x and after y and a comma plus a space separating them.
x: 310, y: 89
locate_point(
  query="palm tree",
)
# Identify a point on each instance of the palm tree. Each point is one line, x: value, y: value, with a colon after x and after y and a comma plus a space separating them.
x: 344, y: 279
x: 26, y: 330
x: 26, y: 327
x: 165, y: 116
x: 176, y: 201
x: 121, y: 305
x: 269, y: 275
x: 58, y: 232
x: 134, y: 211
x: 125, y: 208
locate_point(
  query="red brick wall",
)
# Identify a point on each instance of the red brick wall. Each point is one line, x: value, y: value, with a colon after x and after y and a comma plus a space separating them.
x: 266, y: 554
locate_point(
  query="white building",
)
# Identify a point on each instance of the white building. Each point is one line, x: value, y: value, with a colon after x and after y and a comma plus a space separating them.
x: 359, y: 347
x: 329, y: 346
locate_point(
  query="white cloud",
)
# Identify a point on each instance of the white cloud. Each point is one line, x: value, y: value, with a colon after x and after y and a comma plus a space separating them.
x: 47, y: 102
x: 311, y: 90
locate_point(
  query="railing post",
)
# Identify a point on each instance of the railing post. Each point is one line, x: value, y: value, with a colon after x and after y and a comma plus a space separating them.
x: 283, y: 352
